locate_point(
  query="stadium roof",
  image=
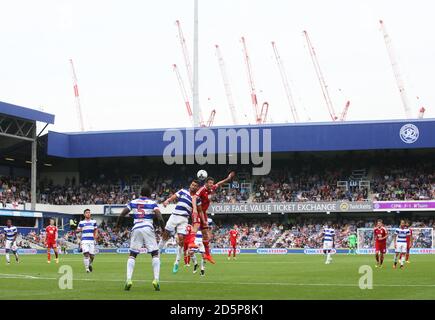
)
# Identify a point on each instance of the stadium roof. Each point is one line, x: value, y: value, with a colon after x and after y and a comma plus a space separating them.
x: 25, y: 113
x: 325, y: 136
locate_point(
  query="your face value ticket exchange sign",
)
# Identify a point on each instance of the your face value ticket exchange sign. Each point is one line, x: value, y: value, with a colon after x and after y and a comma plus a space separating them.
x: 291, y: 207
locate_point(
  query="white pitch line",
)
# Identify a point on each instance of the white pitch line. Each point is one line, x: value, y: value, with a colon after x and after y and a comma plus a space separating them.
x: 27, y: 277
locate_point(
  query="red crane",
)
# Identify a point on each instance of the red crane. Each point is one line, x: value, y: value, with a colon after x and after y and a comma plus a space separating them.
x: 285, y: 83
x: 321, y: 78
x: 183, y: 93
x: 211, y: 118
x: 189, y: 72
x: 344, y: 112
x: 228, y: 92
x: 421, y: 113
x: 77, y: 97
x: 259, y: 117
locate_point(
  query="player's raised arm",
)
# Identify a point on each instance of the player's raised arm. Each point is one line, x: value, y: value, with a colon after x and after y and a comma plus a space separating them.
x: 227, y: 179
x: 170, y: 199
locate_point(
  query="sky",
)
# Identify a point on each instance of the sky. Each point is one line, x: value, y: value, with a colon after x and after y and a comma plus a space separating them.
x: 123, y: 53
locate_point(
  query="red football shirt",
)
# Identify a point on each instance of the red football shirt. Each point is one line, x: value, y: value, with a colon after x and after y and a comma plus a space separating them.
x: 233, y: 235
x: 205, y: 195
x: 51, y: 232
x: 380, y: 233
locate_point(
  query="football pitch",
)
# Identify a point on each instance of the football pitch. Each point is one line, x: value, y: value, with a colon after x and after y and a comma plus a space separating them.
x: 273, y: 277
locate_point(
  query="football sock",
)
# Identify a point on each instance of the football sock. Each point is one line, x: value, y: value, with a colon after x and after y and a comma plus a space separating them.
x: 407, y: 257
x: 156, y: 267
x: 56, y: 254
x: 202, y: 264
x: 206, y: 247
x: 229, y: 253
x: 234, y: 252
x: 130, y: 267
x: 377, y: 257
x: 195, y: 261
x: 179, y: 253
x: 49, y: 256
x: 86, y: 262
x: 402, y: 260
x: 8, y: 259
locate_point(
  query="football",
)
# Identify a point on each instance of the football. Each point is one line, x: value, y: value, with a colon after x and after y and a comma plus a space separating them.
x: 202, y: 174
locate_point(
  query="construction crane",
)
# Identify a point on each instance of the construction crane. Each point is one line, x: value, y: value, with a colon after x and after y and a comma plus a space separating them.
x: 188, y: 66
x: 227, y: 87
x: 421, y: 113
x: 77, y: 97
x: 344, y: 112
x: 186, y: 56
x: 186, y: 100
x: 211, y: 118
x: 396, y: 70
x: 263, y: 112
x: 254, y: 100
x: 285, y: 83
x: 321, y: 78
x: 184, y: 94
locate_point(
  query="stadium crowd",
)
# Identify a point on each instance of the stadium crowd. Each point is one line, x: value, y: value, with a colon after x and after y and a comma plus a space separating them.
x: 387, y: 182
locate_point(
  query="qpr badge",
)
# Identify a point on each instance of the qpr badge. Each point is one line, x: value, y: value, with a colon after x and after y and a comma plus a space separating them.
x: 409, y: 133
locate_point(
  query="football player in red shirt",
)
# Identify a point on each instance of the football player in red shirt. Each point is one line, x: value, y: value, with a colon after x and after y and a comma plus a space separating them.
x: 408, y: 243
x: 51, y: 240
x: 380, y: 235
x: 233, y: 242
x: 200, y: 220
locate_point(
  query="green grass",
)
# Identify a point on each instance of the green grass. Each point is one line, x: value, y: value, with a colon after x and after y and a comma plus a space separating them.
x: 249, y: 277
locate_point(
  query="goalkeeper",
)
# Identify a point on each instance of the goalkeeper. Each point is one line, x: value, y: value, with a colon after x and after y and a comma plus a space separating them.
x: 352, y: 242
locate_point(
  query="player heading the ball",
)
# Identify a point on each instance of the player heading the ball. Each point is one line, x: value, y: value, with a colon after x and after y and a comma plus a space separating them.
x: 200, y: 220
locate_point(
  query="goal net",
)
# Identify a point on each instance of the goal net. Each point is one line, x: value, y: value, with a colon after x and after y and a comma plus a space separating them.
x: 422, y: 240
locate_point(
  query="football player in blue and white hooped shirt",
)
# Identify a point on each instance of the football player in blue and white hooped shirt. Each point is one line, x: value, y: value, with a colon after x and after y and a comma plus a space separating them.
x: 143, y: 210
x: 89, y: 231
x: 11, y: 233
x: 179, y: 219
x: 401, y: 245
x: 328, y: 242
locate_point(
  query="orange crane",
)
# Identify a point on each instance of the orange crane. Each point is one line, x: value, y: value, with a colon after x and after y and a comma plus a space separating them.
x: 189, y: 71
x: 260, y: 117
x: 321, y: 78
x: 285, y: 83
x: 227, y: 87
x: 77, y: 97
x: 183, y: 93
